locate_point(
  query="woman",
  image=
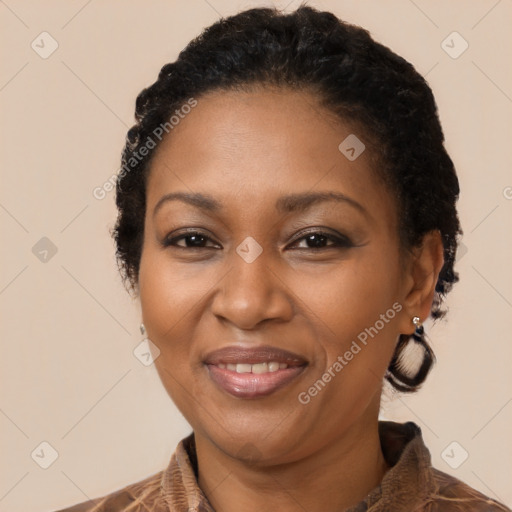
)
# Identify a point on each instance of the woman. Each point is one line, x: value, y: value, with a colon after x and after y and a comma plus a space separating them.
x: 287, y: 218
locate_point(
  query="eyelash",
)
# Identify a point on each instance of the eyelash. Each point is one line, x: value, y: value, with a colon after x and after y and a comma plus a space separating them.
x: 338, y: 241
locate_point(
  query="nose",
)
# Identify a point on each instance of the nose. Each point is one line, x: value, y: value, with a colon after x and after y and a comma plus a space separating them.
x: 252, y: 293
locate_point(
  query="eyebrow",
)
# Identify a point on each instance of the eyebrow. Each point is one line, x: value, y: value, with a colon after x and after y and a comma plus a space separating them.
x: 284, y: 204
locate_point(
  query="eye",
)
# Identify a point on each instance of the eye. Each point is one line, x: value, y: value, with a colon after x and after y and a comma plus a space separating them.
x: 190, y: 239
x: 316, y: 240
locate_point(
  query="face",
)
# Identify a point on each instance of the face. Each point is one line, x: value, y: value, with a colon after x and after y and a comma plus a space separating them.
x: 270, y: 277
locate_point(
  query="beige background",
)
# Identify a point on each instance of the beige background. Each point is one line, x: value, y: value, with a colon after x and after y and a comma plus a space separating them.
x: 68, y: 373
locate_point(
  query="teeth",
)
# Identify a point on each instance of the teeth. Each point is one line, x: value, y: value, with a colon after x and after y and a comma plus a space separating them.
x: 260, y: 368
x: 273, y: 366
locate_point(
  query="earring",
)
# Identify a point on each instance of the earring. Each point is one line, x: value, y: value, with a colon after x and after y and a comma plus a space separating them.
x: 142, y: 329
x: 419, y: 329
x: 411, y: 361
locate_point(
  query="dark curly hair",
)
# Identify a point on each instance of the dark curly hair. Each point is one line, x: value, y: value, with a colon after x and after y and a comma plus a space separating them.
x: 355, y: 78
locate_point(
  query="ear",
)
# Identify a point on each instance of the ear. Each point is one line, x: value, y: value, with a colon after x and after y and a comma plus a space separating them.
x: 422, y: 271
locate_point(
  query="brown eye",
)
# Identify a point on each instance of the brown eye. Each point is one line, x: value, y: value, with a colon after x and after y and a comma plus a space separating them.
x: 323, y: 240
x: 191, y: 239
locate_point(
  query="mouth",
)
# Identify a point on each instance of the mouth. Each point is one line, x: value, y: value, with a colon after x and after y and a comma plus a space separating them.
x: 255, y: 372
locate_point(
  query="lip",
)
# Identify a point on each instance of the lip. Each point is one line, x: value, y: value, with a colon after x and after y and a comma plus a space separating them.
x: 235, y: 354
x: 253, y: 385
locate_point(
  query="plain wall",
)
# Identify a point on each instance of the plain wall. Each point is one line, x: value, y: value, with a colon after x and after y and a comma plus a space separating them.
x: 68, y: 373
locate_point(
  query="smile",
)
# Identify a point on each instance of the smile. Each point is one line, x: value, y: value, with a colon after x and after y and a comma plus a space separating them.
x: 253, y: 373
x: 254, y: 368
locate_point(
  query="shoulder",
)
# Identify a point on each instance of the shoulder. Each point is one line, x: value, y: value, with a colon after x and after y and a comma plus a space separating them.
x: 453, y: 495
x: 143, y: 495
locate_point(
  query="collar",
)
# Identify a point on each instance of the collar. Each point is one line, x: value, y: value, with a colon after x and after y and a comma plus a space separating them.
x: 407, y: 484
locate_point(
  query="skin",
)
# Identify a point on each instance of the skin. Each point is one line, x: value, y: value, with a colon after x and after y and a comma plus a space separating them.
x: 246, y: 149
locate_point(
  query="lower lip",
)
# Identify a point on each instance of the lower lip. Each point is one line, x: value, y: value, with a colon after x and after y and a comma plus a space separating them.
x: 253, y: 385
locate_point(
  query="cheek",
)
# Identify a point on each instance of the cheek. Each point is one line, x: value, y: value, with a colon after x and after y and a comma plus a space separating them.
x: 356, y: 315
x: 169, y: 297
x: 172, y: 298
x: 355, y: 295
x: 169, y: 292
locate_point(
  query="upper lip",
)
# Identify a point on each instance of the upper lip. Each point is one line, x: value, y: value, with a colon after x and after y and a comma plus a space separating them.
x: 254, y: 355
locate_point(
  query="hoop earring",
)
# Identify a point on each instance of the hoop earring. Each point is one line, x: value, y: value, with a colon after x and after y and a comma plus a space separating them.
x: 411, y: 361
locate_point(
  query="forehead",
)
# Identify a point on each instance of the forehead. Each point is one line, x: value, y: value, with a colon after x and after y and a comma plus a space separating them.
x: 261, y: 144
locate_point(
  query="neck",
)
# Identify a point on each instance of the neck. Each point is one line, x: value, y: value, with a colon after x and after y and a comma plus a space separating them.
x: 334, y: 478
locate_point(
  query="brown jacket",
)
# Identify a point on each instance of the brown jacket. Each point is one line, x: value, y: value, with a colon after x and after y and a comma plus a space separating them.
x: 411, y: 485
